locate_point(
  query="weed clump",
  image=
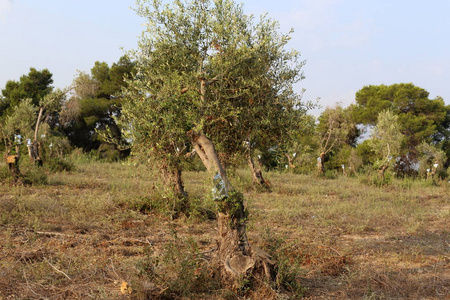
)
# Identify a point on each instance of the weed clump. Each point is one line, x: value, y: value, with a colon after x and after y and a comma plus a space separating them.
x: 179, y: 270
x: 288, y: 266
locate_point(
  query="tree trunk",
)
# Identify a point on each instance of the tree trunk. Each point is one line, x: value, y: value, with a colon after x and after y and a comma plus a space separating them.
x: 236, y: 258
x: 320, y: 163
x: 290, y: 161
x: 13, y: 163
x: 172, y: 178
x: 257, y: 173
x: 381, y: 172
x: 33, y: 150
x: 13, y: 166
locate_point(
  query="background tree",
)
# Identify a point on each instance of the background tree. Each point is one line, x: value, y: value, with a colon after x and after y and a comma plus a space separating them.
x: 301, y: 149
x: 94, y: 105
x: 48, y: 106
x: 420, y: 118
x: 334, y: 130
x: 13, y: 128
x: 431, y: 160
x: 201, y: 68
x: 33, y: 86
x: 385, y: 141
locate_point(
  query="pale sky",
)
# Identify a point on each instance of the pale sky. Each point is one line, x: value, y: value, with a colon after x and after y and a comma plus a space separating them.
x: 347, y: 44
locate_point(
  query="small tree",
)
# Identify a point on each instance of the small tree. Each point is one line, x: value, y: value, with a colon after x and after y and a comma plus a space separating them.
x: 209, y: 78
x: 386, y: 140
x: 431, y: 159
x: 334, y: 130
x: 50, y: 103
x: 13, y: 129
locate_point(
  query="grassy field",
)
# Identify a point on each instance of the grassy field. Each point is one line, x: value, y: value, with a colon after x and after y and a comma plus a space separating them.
x: 105, y: 231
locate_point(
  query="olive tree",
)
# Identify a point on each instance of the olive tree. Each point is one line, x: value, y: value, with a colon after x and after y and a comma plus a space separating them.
x: 334, y: 130
x: 431, y: 159
x: 386, y: 140
x: 211, y: 78
x: 13, y: 129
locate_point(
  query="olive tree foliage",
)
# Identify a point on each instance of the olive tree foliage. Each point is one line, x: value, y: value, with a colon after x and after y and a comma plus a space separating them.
x: 386, y: 140
x: 49, y: 106
x: 208, y: 67
x: 334, y: 130
x: 32, y: 124
x: 18, y: 123
x: 211, y: 78
x: 431, y: 159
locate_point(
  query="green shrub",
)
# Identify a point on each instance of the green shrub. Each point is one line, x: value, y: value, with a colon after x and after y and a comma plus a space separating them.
x: 34, y: 175
x: 288, y: 266
x: 79, y: 157
x: 331, y: 174
x: 59, y: 165
x: 179, y: 271
x: 4, y: 173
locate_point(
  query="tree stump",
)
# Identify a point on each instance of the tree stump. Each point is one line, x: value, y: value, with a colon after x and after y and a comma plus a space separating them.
x: 13, y: 165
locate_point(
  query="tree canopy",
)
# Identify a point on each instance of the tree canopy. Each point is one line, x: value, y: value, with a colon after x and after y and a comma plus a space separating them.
x: 208, y: 67
x: 96, y: 101
x: 33, y: 86
x: 420, y: 118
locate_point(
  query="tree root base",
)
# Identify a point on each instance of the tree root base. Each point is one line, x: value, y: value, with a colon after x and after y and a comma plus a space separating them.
x: 238, y: 271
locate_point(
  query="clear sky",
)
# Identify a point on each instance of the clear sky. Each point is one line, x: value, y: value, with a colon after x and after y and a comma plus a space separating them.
x: 347, y: 44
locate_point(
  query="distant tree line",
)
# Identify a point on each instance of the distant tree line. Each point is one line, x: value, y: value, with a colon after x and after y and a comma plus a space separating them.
x: 50, y: 121
x: 341, y: 140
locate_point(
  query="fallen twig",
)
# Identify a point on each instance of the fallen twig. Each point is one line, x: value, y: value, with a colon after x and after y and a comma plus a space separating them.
x: 57, y: 270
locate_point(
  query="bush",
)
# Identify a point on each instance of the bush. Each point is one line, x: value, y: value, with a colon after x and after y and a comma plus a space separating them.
x: 288, y: 265
x: 179, y: 271
x: 79, y: 157
x: 4, y: 173
x: 60, y: 165
x: 331, y: 174
x: 33, y: 175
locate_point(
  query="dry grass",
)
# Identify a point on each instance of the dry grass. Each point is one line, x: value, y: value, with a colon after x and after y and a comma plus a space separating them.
x: 85, y: 233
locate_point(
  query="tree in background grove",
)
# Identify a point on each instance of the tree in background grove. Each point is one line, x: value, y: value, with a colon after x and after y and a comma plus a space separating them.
x: 386, y: 139
x: 95, y: 103
x: 420, y: 118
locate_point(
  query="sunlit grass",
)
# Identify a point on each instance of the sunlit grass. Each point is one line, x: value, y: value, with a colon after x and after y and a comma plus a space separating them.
x: 102, y: 221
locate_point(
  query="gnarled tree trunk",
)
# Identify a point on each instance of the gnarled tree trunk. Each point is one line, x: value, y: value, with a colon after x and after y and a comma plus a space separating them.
x: 172, y: 177
x: 320, y: 163
x: 257, y: 175
x: 235, y: 256
x: 381, y: 172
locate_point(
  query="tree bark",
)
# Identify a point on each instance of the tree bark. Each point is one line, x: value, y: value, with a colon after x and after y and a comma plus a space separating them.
x: 256, y: 173
x: 320, y: 163
x: 33, y: 150
x: 235, y: 256
x: 290, y: 161
x: 381, y: 172
x: 172, y: 177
